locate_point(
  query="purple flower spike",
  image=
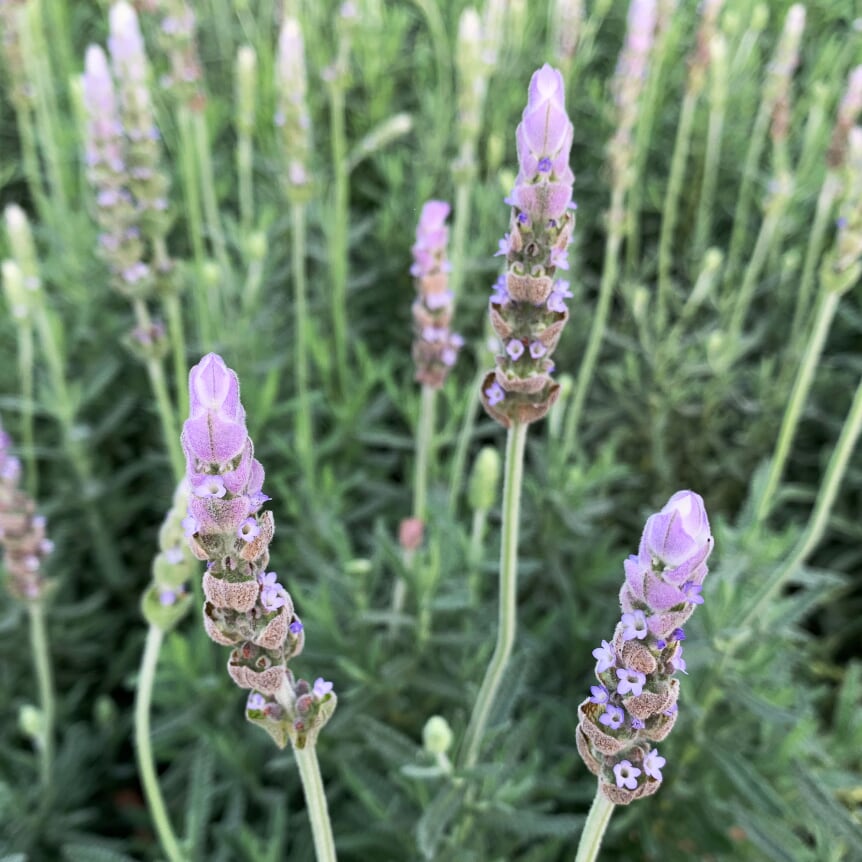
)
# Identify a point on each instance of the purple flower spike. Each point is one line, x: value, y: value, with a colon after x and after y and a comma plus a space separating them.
x: 605, y: 657
x: 660, y: 592
x: 540, y: 229
x: 612, y: 717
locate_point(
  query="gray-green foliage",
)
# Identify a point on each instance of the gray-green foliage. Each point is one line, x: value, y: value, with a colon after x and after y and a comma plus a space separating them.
x: 766, y: 759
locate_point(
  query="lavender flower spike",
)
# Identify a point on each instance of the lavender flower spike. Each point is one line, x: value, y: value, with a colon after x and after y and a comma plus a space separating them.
x: 530, y: 314
x: 634, y: 705
x: 435, y: 347
x: 245, y: 605
x: 22, y: 531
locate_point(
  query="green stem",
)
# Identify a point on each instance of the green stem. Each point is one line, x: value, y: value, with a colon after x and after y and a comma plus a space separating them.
x: 245, y: 160
x: 476, y: 552
x: 819, y: 519
x: 765, y: 239
x: 508, y: 608
x: 64, y: 408
x: 42, y: 661
x: 194, y: 222
x: 146, y: 765
x: 740, y: 231
x: 715, y: 131
x: 671, y: 203
x: 424, y: 449
x: 25, y: 375
x: 597, y: 330
x: 30, y: 163
x: 338, y: 231
x: 159, y: 385
x: 304, y: 425
x: 594, y: 828
x: 814, y: 248
x: 315, y: 803
x: 459, y: 459
x: 459, y: 234
x: 826, y: 309
x: 174, y: 314
x: 207, y: 180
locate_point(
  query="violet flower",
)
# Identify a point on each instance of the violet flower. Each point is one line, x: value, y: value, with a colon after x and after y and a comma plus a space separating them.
x: 529, y: 315
x: 435, y: 347
x: 245, y: 605
x: 635, y: 703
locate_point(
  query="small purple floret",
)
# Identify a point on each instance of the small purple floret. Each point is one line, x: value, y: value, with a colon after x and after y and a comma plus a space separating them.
x: 612, y: 717
x: 605, y: 657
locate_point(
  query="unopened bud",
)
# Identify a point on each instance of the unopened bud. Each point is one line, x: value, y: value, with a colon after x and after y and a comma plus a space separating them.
x: 257, y: 245
x: 484, y: 479
x: 358, y: 567
x: 410, y: 533
x: 13, y: 286
x: 437, y: 735
x: 246, y: 86
x: 31, y: 721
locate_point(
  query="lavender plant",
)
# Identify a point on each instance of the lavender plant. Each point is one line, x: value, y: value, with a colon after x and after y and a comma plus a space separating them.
x: 25, y: 547
x: 245, y: 605
x: 528, y: 313
x: 635, y: 702
x: 435, y: 351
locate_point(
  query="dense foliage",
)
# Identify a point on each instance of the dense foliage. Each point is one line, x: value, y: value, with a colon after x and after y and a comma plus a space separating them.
x: 765, y: 762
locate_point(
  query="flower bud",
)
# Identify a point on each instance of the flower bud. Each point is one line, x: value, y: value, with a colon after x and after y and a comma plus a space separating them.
x: 246, y: 89
x: 484, y: 480
x: 437, y: 735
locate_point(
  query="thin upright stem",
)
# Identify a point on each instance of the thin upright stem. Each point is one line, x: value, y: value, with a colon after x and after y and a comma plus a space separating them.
x: 424, y: 451
x: 207, y: 180
x: 459, y: 459
x: 826, y: 309
x: 765, y: 239
x: 315, y: 803
x: 671, y: 203
x: 508, y: 607
x: 25, y: 375
x: 594, y: 828
x: 176, y: 333
x: 338, y: 231
x: 44, y: 677
x: 424, y: 447
x: 819, y: 519
x: 600, y: 318
x: 816, y: 236
x: 714, y: 135
x: 146, y: 765
x: 304, y: 429
x: 156, y: 373
x: 245, y: 167
x: 459, y: 234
